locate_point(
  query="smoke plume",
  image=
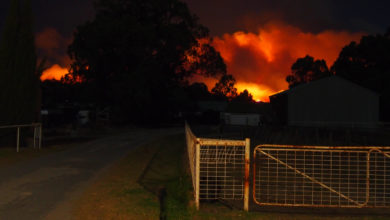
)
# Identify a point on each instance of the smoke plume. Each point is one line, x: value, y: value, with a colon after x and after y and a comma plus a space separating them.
x: 261, y: 61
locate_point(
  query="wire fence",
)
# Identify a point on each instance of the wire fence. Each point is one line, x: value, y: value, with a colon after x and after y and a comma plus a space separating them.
x: 319, y: 176
x: 219, y: 168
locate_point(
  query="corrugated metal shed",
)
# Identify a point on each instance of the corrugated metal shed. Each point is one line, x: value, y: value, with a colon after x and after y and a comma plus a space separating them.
x: 328, y: 102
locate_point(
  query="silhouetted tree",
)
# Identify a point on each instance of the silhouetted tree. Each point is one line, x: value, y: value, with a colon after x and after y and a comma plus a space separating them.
x: 198, y: 91
x: 19, y: 84
x: 244, y: 97
x: 135, y: 54
x: 224, y: 88
x: 307, y: 69
x: 366, y: 63
x: 203, y: 60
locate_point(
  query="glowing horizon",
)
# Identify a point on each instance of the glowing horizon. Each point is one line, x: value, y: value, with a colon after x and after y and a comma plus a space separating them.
x: 261, y: 61
x: 55, y: 72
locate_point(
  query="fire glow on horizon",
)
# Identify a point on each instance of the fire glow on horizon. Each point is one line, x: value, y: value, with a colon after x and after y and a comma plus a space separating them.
x: 261, y: 61
x: 55, y: 72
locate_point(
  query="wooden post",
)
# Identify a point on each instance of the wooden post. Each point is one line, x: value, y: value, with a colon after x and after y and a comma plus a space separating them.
x: 197, y: 173
x: 247, y: 163
x: 17, y: 139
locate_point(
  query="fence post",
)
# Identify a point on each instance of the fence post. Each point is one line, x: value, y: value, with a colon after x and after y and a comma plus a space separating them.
x: 17, y: 139
x: 197, y: 172
x: 247, y: 163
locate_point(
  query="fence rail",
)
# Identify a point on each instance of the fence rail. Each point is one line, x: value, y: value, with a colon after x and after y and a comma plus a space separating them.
x: 319, y: 176
x: 219, y: 168
x: 37, y: 138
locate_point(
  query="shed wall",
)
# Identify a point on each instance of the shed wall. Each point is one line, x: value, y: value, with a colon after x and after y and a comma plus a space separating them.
x: 333, y: 102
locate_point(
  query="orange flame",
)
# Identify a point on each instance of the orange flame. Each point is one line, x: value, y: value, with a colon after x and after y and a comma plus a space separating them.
x: 260, y: 62
x: 55, y: 72
x: 258, y: 91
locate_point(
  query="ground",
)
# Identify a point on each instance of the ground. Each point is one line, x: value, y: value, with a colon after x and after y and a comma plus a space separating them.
x: 138, y: 174
x: 46, y: 186
x: 162, y: 165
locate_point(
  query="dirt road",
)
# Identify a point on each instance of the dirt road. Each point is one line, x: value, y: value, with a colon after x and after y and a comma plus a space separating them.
x: 44, y: 188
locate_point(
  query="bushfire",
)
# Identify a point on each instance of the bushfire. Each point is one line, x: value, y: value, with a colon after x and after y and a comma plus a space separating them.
x: 261, y: 61
x: 55, y: 72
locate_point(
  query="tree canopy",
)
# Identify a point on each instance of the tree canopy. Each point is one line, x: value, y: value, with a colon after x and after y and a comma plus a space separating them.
x: 224, y: 88
x: 366, y: 63
x: 307, y: 69
x: 244, y: 97
x: 136, y: 53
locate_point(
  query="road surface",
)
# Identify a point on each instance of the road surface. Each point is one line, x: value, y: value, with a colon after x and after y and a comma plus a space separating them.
x: 44, y: 187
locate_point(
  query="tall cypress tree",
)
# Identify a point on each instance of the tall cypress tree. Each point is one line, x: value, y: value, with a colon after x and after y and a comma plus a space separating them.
x: 19, y: 83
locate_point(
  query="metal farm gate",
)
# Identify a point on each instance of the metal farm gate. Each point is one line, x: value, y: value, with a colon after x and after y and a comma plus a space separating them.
x: 219, y: 168
x: 319, y: 176
x: 291, y: 176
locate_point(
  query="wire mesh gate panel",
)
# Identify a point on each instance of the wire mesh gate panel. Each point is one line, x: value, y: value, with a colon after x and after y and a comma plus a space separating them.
x: 219, y: 168
x: 321, y: 176
x: 222, y: 169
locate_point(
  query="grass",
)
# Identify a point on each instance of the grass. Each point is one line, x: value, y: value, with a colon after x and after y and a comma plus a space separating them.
x: 153, y: 182
x: 149, y: 183
x: 118, y: 195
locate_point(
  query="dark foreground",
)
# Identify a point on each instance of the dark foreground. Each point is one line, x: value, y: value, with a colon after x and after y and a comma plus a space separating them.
x: 46, y: 186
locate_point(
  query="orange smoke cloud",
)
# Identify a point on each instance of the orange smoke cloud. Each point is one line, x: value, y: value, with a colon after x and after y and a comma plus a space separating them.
x: 53, y: 46
x: 55, y: 72
x: 261, y: 61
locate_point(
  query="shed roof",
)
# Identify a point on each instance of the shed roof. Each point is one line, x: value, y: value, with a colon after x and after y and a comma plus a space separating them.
x: 329, y: 79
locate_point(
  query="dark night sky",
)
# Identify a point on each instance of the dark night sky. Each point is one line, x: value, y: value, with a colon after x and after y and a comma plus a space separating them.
x: 221, y: 16
x: 227, y: 16
x: 55, y: 20
x: 63, y: 15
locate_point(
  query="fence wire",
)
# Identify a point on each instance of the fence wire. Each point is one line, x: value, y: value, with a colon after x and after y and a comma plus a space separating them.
x: 222, y: 171
x: 321, y: 176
